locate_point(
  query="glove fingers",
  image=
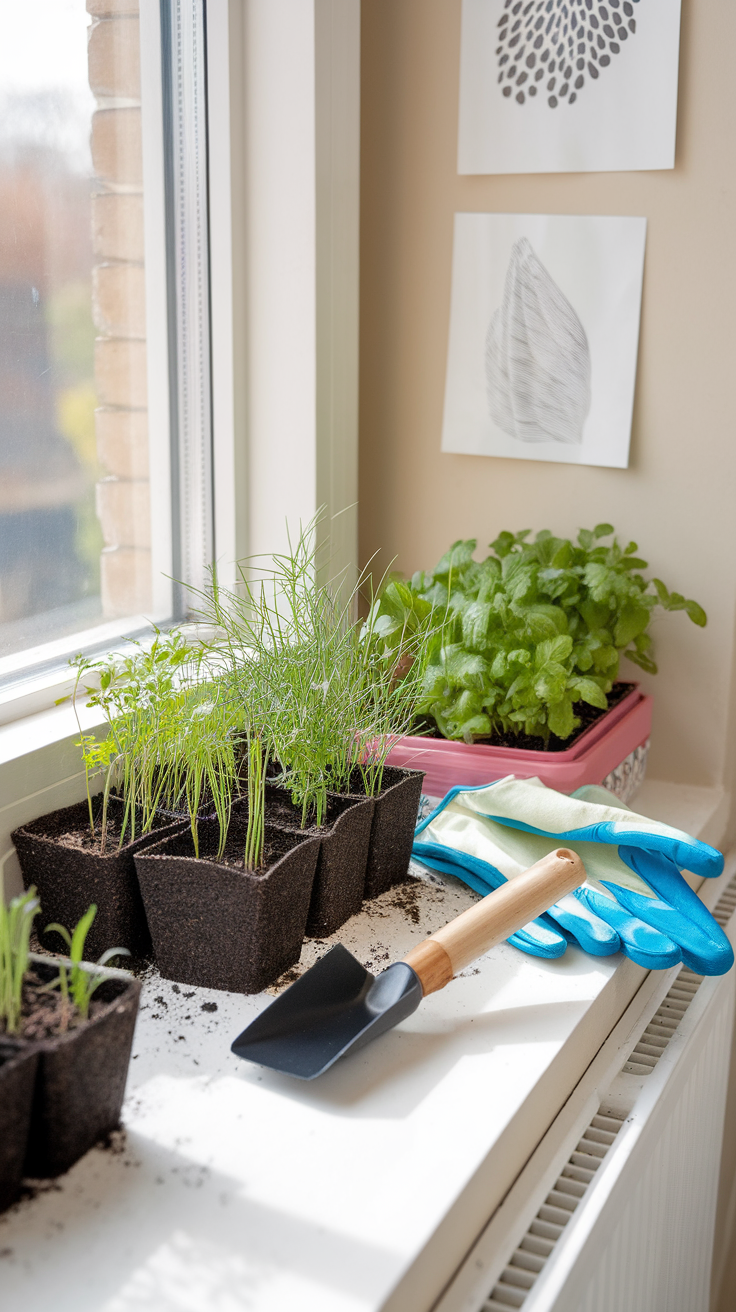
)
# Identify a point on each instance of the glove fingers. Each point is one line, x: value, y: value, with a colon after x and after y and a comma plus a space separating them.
x: 640, y: 941
x: 702, y: 939
x: 706, y: 951
x: 581, y: 924
x: 537, y: 939
x: 478, y: 875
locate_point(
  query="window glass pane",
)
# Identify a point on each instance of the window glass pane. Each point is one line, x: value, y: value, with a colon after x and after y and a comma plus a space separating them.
x: 74, y: 505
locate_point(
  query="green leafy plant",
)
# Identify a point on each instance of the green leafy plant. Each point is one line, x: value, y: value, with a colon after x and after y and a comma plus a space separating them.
x: 522, y: 636
x: 77, y: 983
x: 16, y: 922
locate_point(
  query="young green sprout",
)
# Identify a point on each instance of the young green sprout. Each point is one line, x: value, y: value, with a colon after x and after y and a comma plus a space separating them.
x: 255, y: 833
x: 16, y: 922
x: 77, y: 983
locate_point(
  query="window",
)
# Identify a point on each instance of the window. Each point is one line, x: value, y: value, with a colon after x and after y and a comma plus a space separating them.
x: 105, y: 433
x: 178, y: 353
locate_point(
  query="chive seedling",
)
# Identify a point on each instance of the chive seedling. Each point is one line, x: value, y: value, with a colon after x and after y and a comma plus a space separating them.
x: 319, y: 691
x: 16, y: 922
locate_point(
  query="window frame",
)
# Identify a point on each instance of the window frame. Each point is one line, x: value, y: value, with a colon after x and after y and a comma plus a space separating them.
x: 284, y: 84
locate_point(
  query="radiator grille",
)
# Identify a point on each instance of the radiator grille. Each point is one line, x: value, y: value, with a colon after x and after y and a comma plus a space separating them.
x: 663, y: 1024
x: 569, y: 1189
x: 529, y: 1259
x: 548, y: 1225
x: 726, y: 905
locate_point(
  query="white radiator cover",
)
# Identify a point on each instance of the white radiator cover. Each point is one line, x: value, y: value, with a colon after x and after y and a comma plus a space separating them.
x: 642, y: 1239
x: 615, y: 1211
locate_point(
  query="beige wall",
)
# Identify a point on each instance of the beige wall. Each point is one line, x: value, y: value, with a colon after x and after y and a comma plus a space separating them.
x: 678, y: 497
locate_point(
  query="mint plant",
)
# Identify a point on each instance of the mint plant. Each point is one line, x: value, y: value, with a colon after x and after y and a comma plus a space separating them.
x: 515, y: 640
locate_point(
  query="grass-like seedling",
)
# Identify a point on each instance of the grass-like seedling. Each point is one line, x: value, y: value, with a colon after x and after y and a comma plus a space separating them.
x: 16, y: 922
x: 76, y: 983
x: 255, y: 833
x: 317, y: 688
x: 290, y: 687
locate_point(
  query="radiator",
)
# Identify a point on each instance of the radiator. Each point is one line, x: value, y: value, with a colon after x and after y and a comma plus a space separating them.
x: 627, y: 1223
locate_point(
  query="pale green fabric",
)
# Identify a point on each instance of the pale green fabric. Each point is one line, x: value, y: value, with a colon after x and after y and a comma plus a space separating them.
x: 461, y: 826
x: 530, y: 801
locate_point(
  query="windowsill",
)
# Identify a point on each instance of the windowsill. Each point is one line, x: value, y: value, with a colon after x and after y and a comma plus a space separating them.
x: 31, y: 733
x: 361, y: 1190
x: 35, y: 679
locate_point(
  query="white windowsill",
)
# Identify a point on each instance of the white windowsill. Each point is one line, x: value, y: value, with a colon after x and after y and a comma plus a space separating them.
x: 357, y: 1193
x: 35, y: 679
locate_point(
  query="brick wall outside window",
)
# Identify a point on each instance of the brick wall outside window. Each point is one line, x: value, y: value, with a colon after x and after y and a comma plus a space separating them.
x: 118, y: 293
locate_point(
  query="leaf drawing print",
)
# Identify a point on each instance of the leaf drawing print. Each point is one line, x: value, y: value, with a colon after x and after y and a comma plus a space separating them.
x: 537, y: 356
x: 549, y: 47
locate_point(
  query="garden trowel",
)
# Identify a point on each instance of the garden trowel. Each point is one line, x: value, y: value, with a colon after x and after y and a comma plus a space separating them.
x: 337, y: 1006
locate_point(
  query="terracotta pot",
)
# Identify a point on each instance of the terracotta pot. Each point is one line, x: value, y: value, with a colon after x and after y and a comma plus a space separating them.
x: 611, y: 751
x: 219, y: 926
x: 69, y: 878
x: 17, y: 1079
x: 339, y: 879
x: 80, y: 1080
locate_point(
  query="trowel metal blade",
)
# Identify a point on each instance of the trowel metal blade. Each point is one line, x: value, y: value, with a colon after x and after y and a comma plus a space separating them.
x: 335, y: 1007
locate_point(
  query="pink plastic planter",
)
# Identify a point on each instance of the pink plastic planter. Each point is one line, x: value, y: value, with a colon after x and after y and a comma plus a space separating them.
x: 593, y: 756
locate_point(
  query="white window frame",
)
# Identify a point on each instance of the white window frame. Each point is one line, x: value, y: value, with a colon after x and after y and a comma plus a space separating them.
x: 284, y: 118
x: 283, y: 114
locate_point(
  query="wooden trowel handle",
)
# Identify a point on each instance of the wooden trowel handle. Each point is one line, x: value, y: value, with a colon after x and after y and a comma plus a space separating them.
x: 503, y: 911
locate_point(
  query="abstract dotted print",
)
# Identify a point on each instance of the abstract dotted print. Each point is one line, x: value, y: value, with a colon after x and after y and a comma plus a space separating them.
x: 549, y: 47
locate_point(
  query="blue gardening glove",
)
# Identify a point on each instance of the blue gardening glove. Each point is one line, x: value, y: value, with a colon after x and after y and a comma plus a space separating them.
x: 634, y: 898
x: 484, y: 855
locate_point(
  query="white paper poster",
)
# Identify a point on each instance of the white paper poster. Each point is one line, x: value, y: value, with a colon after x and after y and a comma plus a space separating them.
x: 544, y: 332
x: 568, y: 86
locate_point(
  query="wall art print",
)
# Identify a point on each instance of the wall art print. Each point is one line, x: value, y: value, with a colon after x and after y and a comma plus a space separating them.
x: 555, y: 86
x: 544, y: 333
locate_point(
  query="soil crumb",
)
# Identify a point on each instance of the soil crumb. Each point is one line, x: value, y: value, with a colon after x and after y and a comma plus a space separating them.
x: 115, y: 1142
x: 289, y: 976
x: 405, y: 898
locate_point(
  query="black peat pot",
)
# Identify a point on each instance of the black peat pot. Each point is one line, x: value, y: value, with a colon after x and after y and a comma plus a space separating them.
x: 219, y: 926
x: 392, y: 831
x: 69, y: 877
x: 17, y: 1079
x: 340, y: 876
x: 80, y: 1082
